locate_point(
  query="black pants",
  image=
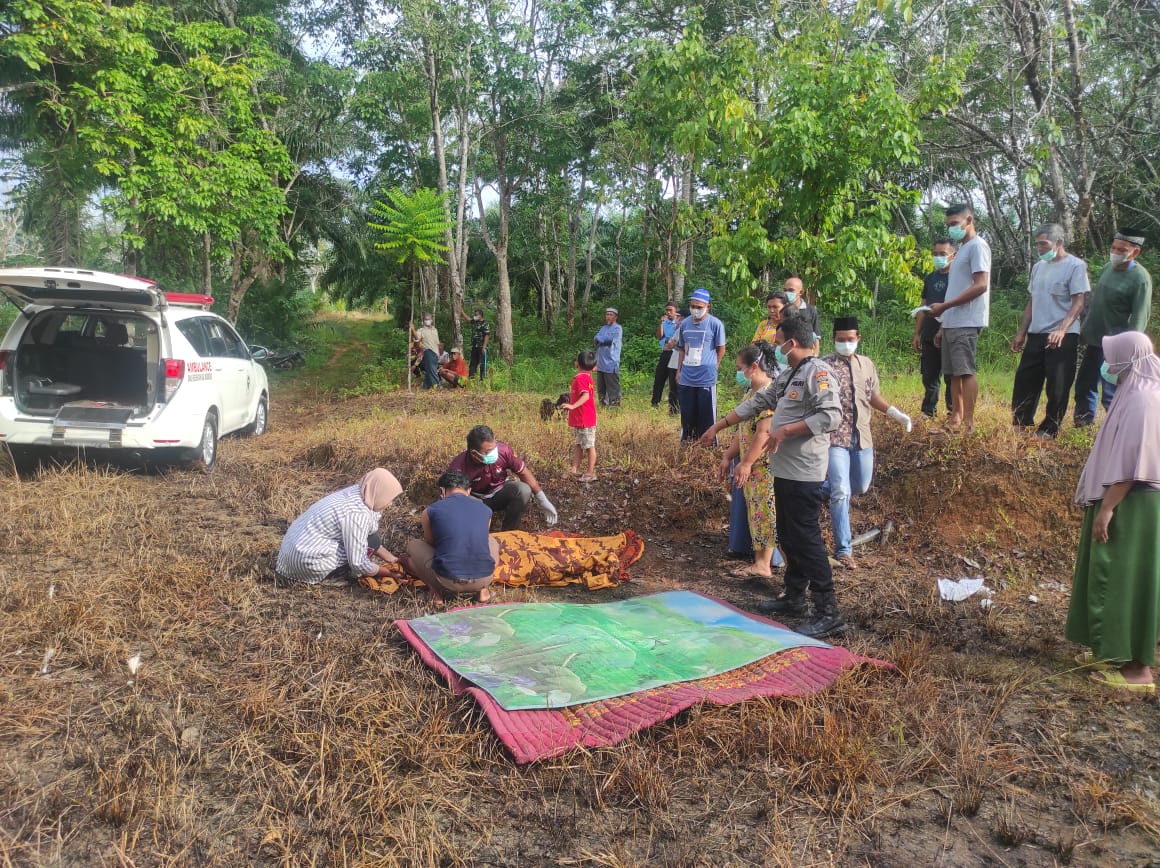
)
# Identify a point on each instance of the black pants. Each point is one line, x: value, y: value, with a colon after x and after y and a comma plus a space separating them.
x: 931, y: 367
x: 799, y: 533
x: 664, y: 374
x: 1042, y: 365
x: 512, y: 500
x: 478, y: 362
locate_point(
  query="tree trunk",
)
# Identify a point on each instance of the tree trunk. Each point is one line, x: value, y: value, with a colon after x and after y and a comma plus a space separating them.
x: 206, y: 263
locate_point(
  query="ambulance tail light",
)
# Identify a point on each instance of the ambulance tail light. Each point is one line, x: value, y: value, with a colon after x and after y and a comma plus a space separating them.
x: 174, y: 375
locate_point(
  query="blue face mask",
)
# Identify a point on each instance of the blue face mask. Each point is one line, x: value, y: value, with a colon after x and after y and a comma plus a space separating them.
x: 1107, y: 374
x: 782, y: 358
x: 791, y: 296
x: 956, y: 233
x: 1047, y: 255
x: 490, y: 457
x: 941, y: 262
x: 743, y: 380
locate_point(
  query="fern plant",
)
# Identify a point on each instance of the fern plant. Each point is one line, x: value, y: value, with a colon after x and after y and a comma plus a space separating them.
x: 413, y: 225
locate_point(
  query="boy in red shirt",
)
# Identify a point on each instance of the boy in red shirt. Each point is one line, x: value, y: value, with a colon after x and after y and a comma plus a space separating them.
x: 582, y: 415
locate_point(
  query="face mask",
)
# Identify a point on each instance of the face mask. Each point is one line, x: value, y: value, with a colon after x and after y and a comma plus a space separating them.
x: 1117, y: 259
x: 490, y: 458
x: 845, y: 348
x: 698, y: 312
x: 779, y: 354
x: 941, y: 262
x: 957, y: 233
x: 1047, y: 255
x: 791, y: 296
x: 477, y: 318
x: 742, y: 380
x: 426, y: 322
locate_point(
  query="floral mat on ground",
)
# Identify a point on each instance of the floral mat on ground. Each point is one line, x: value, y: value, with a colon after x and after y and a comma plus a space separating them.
x: 589, y: 679
x: 552, y: 559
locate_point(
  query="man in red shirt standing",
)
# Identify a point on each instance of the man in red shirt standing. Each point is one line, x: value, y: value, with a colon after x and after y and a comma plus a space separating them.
x: 582, y: 415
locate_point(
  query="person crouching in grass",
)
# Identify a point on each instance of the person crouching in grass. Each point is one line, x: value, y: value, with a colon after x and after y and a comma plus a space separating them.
x: 456, y: 554
x: 581, y: 409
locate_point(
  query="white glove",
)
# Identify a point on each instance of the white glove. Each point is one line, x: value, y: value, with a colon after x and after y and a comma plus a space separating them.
x: 549, y: 511
x: 899, y: 417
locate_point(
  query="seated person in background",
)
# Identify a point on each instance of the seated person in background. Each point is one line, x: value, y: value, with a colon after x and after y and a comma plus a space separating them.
x: 331, y: 543
x: 456, y: 555
x: 486, y: 463
x: 454, y: 371
x: 444, y: 356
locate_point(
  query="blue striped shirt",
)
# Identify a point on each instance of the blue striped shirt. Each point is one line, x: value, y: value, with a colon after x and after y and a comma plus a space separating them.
x: 331, y: 533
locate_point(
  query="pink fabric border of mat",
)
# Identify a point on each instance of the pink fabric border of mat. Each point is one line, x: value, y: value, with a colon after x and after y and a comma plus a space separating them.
x: 541, y: 734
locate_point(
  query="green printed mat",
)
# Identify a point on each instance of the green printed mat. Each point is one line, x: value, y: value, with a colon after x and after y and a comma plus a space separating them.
x: 552, y: 655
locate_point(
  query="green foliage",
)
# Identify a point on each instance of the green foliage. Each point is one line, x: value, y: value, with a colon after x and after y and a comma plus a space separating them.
x: 277, y: 315
x: 413, y: 225
x: 163, y: 115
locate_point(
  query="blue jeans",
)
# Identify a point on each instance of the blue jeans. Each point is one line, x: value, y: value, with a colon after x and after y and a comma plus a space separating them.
x: 851, y: 470
x: 1088, y: 387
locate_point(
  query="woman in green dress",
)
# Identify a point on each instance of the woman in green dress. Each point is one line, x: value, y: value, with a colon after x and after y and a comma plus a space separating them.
x: 756, y: 367
x: 1115, y: 595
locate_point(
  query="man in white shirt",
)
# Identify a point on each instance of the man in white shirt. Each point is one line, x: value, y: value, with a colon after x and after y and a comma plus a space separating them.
x: 964, y: 314
x: 1048, y: 334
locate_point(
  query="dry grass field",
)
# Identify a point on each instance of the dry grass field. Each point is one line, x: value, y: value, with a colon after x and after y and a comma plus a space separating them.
x: 267, y: 725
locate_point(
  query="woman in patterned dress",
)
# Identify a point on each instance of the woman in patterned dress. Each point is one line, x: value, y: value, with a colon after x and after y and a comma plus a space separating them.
x: 756, y: 367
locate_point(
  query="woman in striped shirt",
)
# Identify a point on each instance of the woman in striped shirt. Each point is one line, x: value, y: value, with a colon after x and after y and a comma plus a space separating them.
x: 332, y: 542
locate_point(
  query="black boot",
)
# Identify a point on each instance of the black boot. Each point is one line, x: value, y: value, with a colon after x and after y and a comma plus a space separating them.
x: 827, y: 620
x: 793, y: 605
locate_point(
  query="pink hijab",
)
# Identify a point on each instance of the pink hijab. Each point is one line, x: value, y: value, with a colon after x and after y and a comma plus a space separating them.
x: 1128, y: 445
x: 379, y: 488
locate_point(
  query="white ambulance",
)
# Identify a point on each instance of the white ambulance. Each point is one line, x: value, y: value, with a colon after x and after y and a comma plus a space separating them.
x: 104, y: 362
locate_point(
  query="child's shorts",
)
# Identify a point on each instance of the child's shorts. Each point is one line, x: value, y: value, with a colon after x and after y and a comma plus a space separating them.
x: 586, y: 437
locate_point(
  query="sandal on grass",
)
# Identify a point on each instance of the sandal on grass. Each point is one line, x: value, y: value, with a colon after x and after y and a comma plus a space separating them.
x: 748, y: 574
x: 1115, y: 678
x: 1087, y: 658
x: 587, y: 477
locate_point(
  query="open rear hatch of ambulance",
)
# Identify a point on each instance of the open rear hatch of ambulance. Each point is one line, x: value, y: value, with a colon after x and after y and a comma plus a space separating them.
x: 75, y: 287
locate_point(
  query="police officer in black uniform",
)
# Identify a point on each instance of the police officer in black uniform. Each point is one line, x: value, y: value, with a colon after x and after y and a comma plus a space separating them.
x: 806, y: 409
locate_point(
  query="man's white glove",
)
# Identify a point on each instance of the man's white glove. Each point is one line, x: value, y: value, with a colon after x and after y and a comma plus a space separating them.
x: 549, y: 511
x: 899, y: 417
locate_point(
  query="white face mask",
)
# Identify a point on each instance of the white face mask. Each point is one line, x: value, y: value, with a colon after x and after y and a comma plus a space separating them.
x: 845, y: 348
x: 1117, y: 259
x: 698, y: 312
x: 426, y: 322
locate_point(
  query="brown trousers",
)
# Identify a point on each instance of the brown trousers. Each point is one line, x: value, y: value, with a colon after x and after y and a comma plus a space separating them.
x: 421, y: 556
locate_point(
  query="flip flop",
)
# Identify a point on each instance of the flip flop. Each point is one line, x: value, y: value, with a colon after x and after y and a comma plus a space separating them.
x: 1115, y: 678
x: 747, y: 574
x: 1087, y: 658
x: 587, y: 477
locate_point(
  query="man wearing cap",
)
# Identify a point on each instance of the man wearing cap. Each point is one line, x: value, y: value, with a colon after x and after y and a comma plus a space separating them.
x: 1048, y: 335
x: 700, y: 346
x: 454, y: 373
x: 608, y: 342
x: 1121, y: 302
x: 851, y: 466
x: 806, y: 410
